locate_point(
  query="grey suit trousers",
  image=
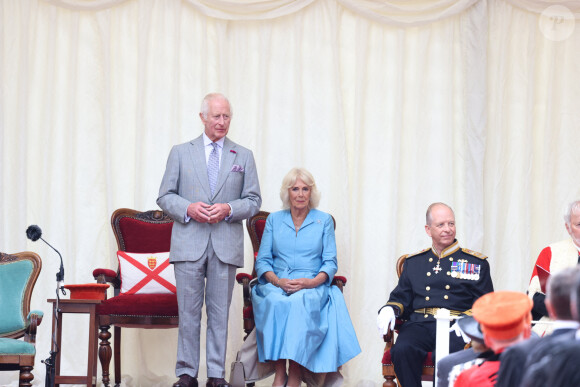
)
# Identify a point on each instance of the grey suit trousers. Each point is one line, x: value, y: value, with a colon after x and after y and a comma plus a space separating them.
x: 216, y: 280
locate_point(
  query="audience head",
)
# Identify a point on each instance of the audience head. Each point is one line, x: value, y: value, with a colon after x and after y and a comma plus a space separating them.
x: 575, y: 295
x: 505, y: 318
x: 290, y: 180
x: 572, y: 219
x: 440, y: 225
x: 216, y: 115
x: 471, y: 328
x: 558, y: 292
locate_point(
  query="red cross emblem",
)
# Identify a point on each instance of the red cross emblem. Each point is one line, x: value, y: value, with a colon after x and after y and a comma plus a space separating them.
x: 150, y: 275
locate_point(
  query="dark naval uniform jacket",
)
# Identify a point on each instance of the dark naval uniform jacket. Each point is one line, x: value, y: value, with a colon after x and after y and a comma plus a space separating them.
x: 453, y: 280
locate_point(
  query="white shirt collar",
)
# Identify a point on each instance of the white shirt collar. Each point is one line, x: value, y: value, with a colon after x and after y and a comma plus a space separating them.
x: 207, y: 141
x: 565, y: 324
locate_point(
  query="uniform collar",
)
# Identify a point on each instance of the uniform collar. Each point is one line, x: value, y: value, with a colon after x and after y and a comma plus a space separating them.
x: 448, y: 250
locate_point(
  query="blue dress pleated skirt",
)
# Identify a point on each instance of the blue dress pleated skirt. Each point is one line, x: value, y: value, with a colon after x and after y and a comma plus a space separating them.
x: 311, y: 327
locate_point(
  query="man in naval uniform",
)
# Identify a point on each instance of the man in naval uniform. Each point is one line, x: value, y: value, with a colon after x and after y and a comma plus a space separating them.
x: 557, y: 256
x: 442, y: 276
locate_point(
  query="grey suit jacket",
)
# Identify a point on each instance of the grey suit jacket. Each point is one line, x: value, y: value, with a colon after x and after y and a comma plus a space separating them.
x: 185, y: 181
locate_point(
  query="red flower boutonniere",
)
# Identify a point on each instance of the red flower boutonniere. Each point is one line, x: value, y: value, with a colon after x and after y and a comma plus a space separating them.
x: 233, y: 151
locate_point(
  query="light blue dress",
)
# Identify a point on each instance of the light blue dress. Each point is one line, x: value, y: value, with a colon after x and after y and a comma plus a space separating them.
x: 312, y: 326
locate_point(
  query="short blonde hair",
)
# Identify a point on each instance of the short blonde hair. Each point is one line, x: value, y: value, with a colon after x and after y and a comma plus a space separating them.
x: 289, y: 181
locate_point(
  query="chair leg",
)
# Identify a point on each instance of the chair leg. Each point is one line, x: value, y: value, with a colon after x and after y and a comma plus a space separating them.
x: 105, y: 352
x: 25, y: 376
x: 117, y: 350
x: 389, y: 381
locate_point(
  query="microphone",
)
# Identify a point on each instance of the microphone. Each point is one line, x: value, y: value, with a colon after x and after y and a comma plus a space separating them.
x: 34, y: 233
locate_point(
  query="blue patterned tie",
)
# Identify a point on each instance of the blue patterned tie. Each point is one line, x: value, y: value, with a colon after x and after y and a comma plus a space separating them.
x: 213, y: 167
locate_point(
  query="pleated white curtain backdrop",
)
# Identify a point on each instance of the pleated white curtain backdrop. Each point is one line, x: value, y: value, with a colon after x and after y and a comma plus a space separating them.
x: 391, y: 105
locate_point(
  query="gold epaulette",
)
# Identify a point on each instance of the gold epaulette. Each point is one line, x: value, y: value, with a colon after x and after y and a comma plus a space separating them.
x: 474, y: 253
x: 418, y: 252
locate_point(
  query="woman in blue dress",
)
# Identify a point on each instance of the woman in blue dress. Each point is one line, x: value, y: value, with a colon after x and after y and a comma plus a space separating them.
x: 300, y: 317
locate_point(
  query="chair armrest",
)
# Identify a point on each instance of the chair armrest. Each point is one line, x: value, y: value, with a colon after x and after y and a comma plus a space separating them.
x: 390, y: 336
x: 245, y: 280
x: 339, y: 281
x: 240, y: 277
x: 107, y: 275
x: 35, y: 315
x: 33, y: 321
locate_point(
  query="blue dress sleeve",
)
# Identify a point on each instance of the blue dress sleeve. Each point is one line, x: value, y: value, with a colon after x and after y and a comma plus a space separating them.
x: 329, y: 262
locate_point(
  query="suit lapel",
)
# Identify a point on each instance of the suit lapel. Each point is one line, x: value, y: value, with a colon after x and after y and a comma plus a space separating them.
x: 197, y: 153
x: 309, y: 219
x: 228, y: 157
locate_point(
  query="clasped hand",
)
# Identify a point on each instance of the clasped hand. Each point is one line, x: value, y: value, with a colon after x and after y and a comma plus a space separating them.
x: 204, y: 213
x: 293, y: 285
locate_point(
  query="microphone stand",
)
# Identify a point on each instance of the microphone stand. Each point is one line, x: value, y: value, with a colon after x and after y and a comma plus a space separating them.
x: 49, y: 362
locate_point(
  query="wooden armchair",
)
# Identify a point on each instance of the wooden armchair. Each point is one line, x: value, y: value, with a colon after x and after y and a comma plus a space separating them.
x: 136, y: 232
x: 388, y: 367
x: 18, y: 274
x: 255, y: 226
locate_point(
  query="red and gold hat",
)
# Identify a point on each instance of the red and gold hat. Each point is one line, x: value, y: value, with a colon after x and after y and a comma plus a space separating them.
x: 503, y: 314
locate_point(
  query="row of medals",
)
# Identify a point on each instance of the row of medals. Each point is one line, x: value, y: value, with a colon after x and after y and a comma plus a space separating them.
x: 457, y: 274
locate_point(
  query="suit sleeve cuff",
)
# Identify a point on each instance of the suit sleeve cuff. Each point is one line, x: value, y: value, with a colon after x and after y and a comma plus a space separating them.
x: 227, y: 218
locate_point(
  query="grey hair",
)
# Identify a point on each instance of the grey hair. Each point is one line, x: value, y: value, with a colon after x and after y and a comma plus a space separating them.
x: 204, y: 109
x: 289, y: 181
x: 570, y: 208
x: 430, y: 208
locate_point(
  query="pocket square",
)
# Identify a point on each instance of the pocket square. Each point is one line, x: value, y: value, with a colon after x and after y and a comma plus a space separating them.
x: 237, y: 168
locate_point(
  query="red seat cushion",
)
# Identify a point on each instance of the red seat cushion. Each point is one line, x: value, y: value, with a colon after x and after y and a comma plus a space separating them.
x: 140, y: 305
x: 427, y: 363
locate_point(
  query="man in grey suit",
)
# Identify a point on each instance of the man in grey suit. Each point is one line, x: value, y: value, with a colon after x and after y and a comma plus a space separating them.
x: 209, y: 187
